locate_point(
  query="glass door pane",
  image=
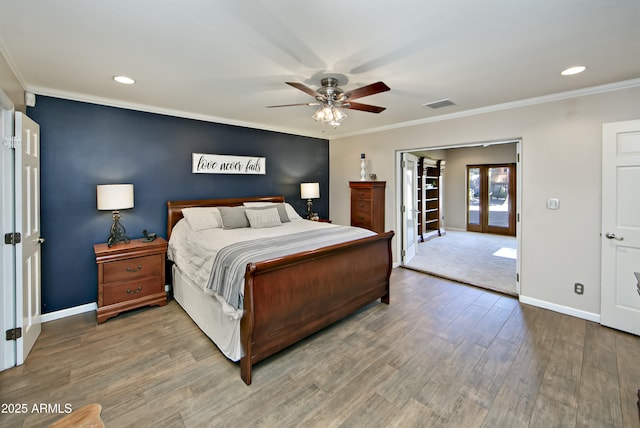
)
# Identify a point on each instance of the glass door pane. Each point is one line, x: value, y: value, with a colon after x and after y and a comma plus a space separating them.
x: 491, y: 198
x: 498, y: 196
x: 473, y: 192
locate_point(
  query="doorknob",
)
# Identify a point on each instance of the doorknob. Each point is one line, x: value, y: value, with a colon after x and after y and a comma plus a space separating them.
x: 41, y: 240
x: 613, y: 236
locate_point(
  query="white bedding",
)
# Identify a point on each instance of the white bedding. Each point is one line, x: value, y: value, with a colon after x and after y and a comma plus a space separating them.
x: 193, y: 252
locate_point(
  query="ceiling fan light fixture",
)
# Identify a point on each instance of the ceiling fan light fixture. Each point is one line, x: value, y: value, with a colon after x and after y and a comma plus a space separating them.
x: 329, y: 114
x: 338, y: 114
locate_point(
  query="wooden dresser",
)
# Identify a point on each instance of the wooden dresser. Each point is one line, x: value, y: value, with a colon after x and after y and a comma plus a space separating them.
x: 367, y: 204
x: 130, y: 276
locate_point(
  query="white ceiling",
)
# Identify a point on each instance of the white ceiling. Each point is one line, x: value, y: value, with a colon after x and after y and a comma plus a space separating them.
x: 226, y: 60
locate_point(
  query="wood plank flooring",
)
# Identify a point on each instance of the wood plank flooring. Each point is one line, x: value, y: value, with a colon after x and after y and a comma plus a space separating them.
x: 441, y: 354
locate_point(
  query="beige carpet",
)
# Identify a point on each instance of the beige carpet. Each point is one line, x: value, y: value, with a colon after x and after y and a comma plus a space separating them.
x: 468, y: 257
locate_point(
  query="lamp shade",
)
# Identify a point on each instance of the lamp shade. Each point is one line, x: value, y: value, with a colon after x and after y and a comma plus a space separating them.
x: 115, y: 196
x: 309, y: 190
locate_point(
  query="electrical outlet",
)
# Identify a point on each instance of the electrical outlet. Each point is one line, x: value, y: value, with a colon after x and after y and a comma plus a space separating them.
x: 578, y: 288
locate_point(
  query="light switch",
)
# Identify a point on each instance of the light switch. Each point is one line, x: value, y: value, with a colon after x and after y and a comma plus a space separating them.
x: 553, y: 203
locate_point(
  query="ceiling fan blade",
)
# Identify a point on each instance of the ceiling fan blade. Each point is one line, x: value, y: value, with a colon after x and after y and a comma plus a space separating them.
x: 365, y: 91
x: 303, y: 88
x: 363, y: 107
x: 292, y: 105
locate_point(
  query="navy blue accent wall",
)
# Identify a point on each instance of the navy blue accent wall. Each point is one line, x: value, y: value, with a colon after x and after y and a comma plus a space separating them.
x: 85, y: 144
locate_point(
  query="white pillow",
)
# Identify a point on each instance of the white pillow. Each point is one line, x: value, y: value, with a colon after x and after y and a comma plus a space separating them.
x: 292, y: 213
x: 259, y: 218
x: 201, y: 218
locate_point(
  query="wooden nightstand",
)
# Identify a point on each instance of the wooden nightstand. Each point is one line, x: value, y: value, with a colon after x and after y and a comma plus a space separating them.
x: 130, y: 276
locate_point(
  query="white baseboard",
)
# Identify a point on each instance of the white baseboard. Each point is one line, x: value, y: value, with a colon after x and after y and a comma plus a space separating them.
x: 589, y: 316
x: 69, y: 312
x: 456, y: 229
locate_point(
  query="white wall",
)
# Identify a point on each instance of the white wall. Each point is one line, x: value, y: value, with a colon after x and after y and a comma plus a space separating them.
x: 561, y: 158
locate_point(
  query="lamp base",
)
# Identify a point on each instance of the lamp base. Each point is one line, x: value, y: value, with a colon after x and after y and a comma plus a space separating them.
x: 117, y: 233
x: 309, y: 209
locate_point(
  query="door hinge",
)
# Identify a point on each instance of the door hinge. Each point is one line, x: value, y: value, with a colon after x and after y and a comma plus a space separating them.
x: 404, y: 253
x: 518, y: 158
x: 11, y: 142
x: 14, y: 333
x: 13, y: 238
x: 518, y: 217
x: 517, y: 277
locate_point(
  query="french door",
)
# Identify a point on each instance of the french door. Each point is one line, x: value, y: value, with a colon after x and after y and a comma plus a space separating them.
x: 491, y: 197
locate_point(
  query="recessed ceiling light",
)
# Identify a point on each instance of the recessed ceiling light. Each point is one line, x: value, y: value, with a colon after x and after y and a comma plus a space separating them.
x: 124, y: 80
x: 573, y: 70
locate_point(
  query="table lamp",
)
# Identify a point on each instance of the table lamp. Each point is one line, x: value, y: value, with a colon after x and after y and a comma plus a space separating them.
x: 115, y: 197
x: 309, y: 191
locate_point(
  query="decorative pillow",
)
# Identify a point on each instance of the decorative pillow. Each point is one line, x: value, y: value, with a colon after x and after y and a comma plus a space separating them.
x: 282, y: 211
x: 201, y: 218
x: 233, y: 217
x: 260, y: 217
x: 291, y: 212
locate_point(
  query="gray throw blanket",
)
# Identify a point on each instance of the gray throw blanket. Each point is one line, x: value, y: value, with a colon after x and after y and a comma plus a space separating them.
x: 229, y: 265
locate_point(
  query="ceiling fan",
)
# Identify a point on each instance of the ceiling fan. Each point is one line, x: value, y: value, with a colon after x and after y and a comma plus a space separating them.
x: 332, y: 99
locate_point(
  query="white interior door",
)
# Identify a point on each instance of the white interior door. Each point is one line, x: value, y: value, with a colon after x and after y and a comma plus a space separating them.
x: 620, y: 283
x: 409, y: 209
x: 28, y: 254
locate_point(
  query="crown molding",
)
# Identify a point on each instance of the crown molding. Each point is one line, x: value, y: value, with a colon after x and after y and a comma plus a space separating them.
x: 626, y: 84
x: 593, y: 90
x: 109, y: 102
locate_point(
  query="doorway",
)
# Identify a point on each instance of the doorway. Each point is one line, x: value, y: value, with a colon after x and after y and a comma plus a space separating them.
x: 491, y: 195
x: 453, y: 215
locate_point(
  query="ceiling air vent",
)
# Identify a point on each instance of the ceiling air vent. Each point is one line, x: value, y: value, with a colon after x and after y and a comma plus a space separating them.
x: 439, y: 104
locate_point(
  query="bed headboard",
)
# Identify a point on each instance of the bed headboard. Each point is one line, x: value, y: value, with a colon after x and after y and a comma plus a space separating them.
x: 174, y: 208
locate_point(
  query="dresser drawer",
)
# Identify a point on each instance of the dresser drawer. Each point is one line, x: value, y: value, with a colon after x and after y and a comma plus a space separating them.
x: 130, y: 290
x: 361, y: 218
x: 123, y: 270
x: 361, y: 194
x: 362, y: 222
x: 360, y: 206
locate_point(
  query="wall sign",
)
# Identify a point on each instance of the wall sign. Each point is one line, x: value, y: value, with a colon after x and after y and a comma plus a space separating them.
x: 223, y: 164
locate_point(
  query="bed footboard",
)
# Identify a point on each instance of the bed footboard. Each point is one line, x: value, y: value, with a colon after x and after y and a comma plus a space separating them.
x: 289, y: 298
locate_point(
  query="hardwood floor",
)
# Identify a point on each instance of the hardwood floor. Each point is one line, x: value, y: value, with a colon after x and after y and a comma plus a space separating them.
x: 441, y: 354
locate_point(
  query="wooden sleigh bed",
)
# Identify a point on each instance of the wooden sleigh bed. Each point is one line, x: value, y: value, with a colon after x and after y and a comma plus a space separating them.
x: 289, y: 298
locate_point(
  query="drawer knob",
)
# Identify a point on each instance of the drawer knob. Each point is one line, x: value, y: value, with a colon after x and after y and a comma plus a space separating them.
x: 134, y: 269
x: 136, y: 291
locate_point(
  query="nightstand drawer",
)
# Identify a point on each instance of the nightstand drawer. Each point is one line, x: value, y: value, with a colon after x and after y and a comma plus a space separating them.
x: 129, y: 290
x: 123, y: 270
